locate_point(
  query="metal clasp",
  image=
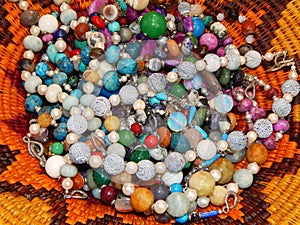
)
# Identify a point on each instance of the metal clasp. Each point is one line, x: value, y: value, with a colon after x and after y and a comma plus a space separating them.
x: 77, y: 194
x: 227, y: 207
x: 281, y: 60
x: 35, y: 149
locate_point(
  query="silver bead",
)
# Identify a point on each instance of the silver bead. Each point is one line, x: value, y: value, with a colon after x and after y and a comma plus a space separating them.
x: 146, y: 170
x: 281, y: 107
x: 113, y: 164
x: 253, y: 59
x: 184, y: 8
x: 101, y: 106
x: 263, y: 128
x: 128, y: 94
x: 237, y: 140
x: 157, y: 82
x: 291, y: 86
x: 78, y: 124
x: 80, y: 153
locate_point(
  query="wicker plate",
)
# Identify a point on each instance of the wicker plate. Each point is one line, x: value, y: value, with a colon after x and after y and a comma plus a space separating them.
x: 29, y: 196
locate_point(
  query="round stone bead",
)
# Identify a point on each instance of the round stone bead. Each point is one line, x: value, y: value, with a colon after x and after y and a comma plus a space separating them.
x: 178, y: 204
x: 186, y: 70
x: 243, y: 178
x: 177, y: 121
x: 53, y: 165
x: 157, y: 82
x: 101, y: 177
x: 139, y: 153
x: 253, y: 59
x: 141, y: 199
x: 281, y: 107
x: 133, y: 49
x: 126, y: 137
x: 146, y: 170
x: 116, y: 148
x: 48, y: 23
x: 111, y: 81
x: 160, y: 191
x: 237, y: 140
x: 258, y: 153
x: 237, y: 156
x: 217, y: 198
x: 80, y: 30
x: 170, y: 178
x: 57, y: 148
x: 80, y: 153
x: 210, y: 40
x: 112, y: 123
x: 206, y: 149
x: 175, y: 161
x: 113, y: 164
x: 112, y: 54
x: 180, y: 143
x: 225, y: 167
x: 203, y: 182
x: 68, y: 170
x: 223, y: 103
x: 153, y: 25
x: 32, y: 42
x: 29, y: 17
x: 128, y: 94
x: 198, y: 27
x: 108, y: 194
x: 263, y: 128
x: 67, y: 16
x: 44, y: 120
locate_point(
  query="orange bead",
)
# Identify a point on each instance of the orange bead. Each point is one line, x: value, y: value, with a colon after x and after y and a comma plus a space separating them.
x: 141, y: 66
x: 44, y: 120
x: 112, y: 123
x: 164, y: 136
x: 173, y: 49
x: 258, y: 153
x: 78, y: 181
x: 232, y: 119
x: 248, y: 27
x: 141, y: 199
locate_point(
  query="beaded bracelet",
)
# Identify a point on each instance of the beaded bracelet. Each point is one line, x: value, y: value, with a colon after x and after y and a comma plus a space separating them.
x: 139, y: 104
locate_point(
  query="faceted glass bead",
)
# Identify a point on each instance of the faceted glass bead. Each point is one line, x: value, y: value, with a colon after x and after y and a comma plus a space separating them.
x: 153, y: 24
x: 80, y: 31
x: 258, y: 153
x: 126, y: 137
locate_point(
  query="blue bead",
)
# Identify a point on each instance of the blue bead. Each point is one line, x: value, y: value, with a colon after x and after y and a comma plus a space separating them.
x: 85, y: 55
x: 114, y: 27
x: 211, y: 161
x: 122, y: 5
x: 65, y: 65
x: 111, y: 81
x: 97, y: 90
x: 105, y: 93
x: 103, y: 128
x: 48, y: 81
x: 41, y: 69
x: 192, y: 113
x: 60, y: 78
x: 51, y: 53
x: 177, y: 121
x: 60, y: 132
x: 133, y: 49
x: 180, y: 143
x: 160, y: 52
x: 82, y: 67
x: 153, y: 101
x: 182, y: 219
x: 224, y: 137
x: 176, y: 188
x: 60, y: 33
x: 112, y: 54
x: 127, y: 66
x: 106, y: 140
x: 45, y: 109
x: 59, y: 56
x: 198, y: 27
x: 203, y: 132
x: 33, y: 101
x: 161, y: 96
x: 77, y: 93
x: 205, y: 215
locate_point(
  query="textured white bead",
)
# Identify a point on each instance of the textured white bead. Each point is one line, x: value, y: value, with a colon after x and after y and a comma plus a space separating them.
x: 48, y: 23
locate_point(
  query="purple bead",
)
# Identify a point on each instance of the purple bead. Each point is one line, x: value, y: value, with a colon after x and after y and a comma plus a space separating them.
x: 47, y: 38
x: 162, y: 11
x: 245, y: 105
x: 238, y: 91
x: 257, y: 113
x: 221, y: 51
x: 131, y: 14
x: 172, y: 62
x: 95, y: 5
x: 179, y: 37
x: 270, y: 142
x: 108, y: 37
x: 210, y: 40
x: 188, y: 24
x: 281, y: 125
x: 148, y: 48
x: 227, y: 41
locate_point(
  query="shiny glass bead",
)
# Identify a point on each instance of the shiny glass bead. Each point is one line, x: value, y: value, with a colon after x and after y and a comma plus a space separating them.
x: 153, y: 24
x: 101, y: 177
x: 141, y: 199
x: 108, y: 194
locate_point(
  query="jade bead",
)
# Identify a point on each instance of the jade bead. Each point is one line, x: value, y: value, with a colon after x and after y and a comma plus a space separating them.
x: 153, y: 24
x: 126, y: 137
x: 225, y: 76
x: 139, y: 154
x: 57, y: 148
x: 101, y: 177
x: 178, y: 90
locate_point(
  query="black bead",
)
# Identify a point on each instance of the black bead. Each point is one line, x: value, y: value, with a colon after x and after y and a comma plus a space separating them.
x: 237, y: 78
x: 233, y: 14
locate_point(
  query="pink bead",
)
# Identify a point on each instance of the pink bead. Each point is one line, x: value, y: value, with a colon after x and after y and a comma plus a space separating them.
x: 47, y: 38
x: 238, y: 92
x: 270, y: 142
x: 151, y: 141
x: 281, y: 125
x: 257, y: 113
x: 245, y: 105
x: 221, y: 51
x: 95, y: 5
x: 210, y: 40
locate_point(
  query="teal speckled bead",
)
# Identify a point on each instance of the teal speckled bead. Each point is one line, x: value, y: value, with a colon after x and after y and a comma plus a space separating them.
x: 127, y: 66
x: 111, y: 81
x: 114, y: 27
x: 133, y: 49
x: 112, y: 54
x: 51, y: 53
x: 60, y: 78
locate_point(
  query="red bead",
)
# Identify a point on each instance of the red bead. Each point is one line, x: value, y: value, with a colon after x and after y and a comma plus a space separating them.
x: 122, y: 20
x: 108, y: 194
x: 75, y: 51
x: 271, y: 93
x: 98, y: 22
x: 242, y: 125
x: 151, y: 141
x: 136, y: 128
x: 248, y: 27
x: 80, y: 31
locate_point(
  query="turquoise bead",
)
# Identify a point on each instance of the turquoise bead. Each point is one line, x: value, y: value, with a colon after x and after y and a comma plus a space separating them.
x: 33, y: 101
x: 85, y: 55
x: 80, y: 44
x: 180, y: 143
x: 127, y: 66
x: 153, y: 101
x: 111, y: 81
x: 112, y: 54
x: 60, y: 132
x: 41, y: 69
x: 58, y: 57
x: 77, y: 93
x: 153, y: 24
x: 68, y: 170
x: 203, y: 132
x: 133, y: 49
x: 114, y: 27
x: 65, y: 65
x: 176, y: 188
x: 60, y: 78
x: 82, y: 67
x: 182, y: 219
x: 48, y: 81
x: 198, y: 27
x: 192, y: 113
x: 51, y: 53
x: 161, y: 96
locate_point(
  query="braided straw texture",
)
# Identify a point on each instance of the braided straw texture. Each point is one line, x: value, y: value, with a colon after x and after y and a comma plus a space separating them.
x: 29, y: 196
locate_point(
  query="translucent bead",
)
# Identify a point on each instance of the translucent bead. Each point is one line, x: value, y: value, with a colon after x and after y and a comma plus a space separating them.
x: 34, y: 128
x: 191, y: 194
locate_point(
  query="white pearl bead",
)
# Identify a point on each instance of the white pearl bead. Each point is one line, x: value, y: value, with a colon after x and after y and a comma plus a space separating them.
x: 23, y: 5
x: 60, y: 45
x: 35, y: 30
x: 293, y: 75
x: 95, y: 161
x: 52, y: 93
x: 88, y: 87
x: 267, y: 87
x: 114, y: 100
x: 62, y: 96
x: 25, y: 75
x: 216, y: 174
x: 65, y: 28
x: 88, y: 113
x: 288, y: 97
x: 75, y: 111
x: 42, y: 89
x: 172, y: 77
x: 191, y: 194
x: 242, y: 60
x: 71, y: 138
x: 190, y: 155
x: 100, y: 133
x: 273, y: 117
x: 232, y: 187
x: 250, y: 39
x: 116, y: 38
x: 28, y: 54
x: 242, y: 19
x: 82, y: 19
x: 131, y: 167
x: 123, y: 79
x: 200, y: 65
x: 203, y: 201
x: 48, y: 23
x: 67, y: 183
x: 224, y: 61
x: 253, y: 168
x: 269, y: 56
x: 160, y: 168
x: 113, y: 137
x: 74, y: 24
x: 278, y: 136
x: 94, y: 64
x: 220, y: 16
x: 58, y: 2
x: 53, y: 164
x: 56, y: 113
x: 160, y: 206
x: 252, y: 136
x: 139, y: 105
x: 34, y: 128
x: 222, y: 145
x: 128, y: 189
x: 142, y: 88
x: 64, y: 6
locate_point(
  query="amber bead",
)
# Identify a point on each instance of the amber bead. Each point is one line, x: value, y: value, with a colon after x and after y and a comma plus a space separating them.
x: 141, y: 66
x: 232, y: 119
x: 201, y: 51
x: 80, y: 31
x: 141, y: 199
x: 248, y: 27
x: 164, y: 136
x: 226, y: 168
x: 26, y: 64
x: 112, y: 123
x: 258, y: 153
x: 271, y: 93
x: 44, y: 120
x: 96, y: 53
x: 242, y: 125
x: 78, y: 181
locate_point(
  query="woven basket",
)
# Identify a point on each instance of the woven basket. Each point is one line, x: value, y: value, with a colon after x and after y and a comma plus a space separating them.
x: 29, y: 196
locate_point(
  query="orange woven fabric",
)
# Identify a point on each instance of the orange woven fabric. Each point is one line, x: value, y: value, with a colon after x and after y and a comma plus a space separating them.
x: 29, y: 196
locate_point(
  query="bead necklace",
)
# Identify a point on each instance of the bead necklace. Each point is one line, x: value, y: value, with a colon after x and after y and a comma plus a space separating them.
x: 138, y: 105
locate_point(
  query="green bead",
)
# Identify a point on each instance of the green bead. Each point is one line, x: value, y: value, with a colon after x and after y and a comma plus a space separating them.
x: 178, y: 90
x: 80, y: 44
x: 187, y: 165
x: 101, y: 177
x: 140, y: 153
x: 207, y: 20
x: 225, y: 76
x: 126, y: 137
x: 142, y: 138
x: 73, y: 80
x: 153, y: 24
x: 190, y: 59
x: 201, y: 116
x: 90, y: 179
x: 57, y: 148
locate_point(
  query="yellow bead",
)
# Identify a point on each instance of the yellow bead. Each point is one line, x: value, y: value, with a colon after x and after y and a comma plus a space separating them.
x: 112, y: 123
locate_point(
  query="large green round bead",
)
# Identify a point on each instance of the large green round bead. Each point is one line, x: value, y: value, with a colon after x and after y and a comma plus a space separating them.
x: 153, y: 24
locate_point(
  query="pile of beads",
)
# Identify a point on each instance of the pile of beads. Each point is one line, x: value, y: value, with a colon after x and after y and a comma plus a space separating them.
x: 139, y: 104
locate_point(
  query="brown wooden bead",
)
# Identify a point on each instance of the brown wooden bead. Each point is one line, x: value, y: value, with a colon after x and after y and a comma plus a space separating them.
x: 80, y: 31
x: 141, y: 199
x: 258, y: 153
